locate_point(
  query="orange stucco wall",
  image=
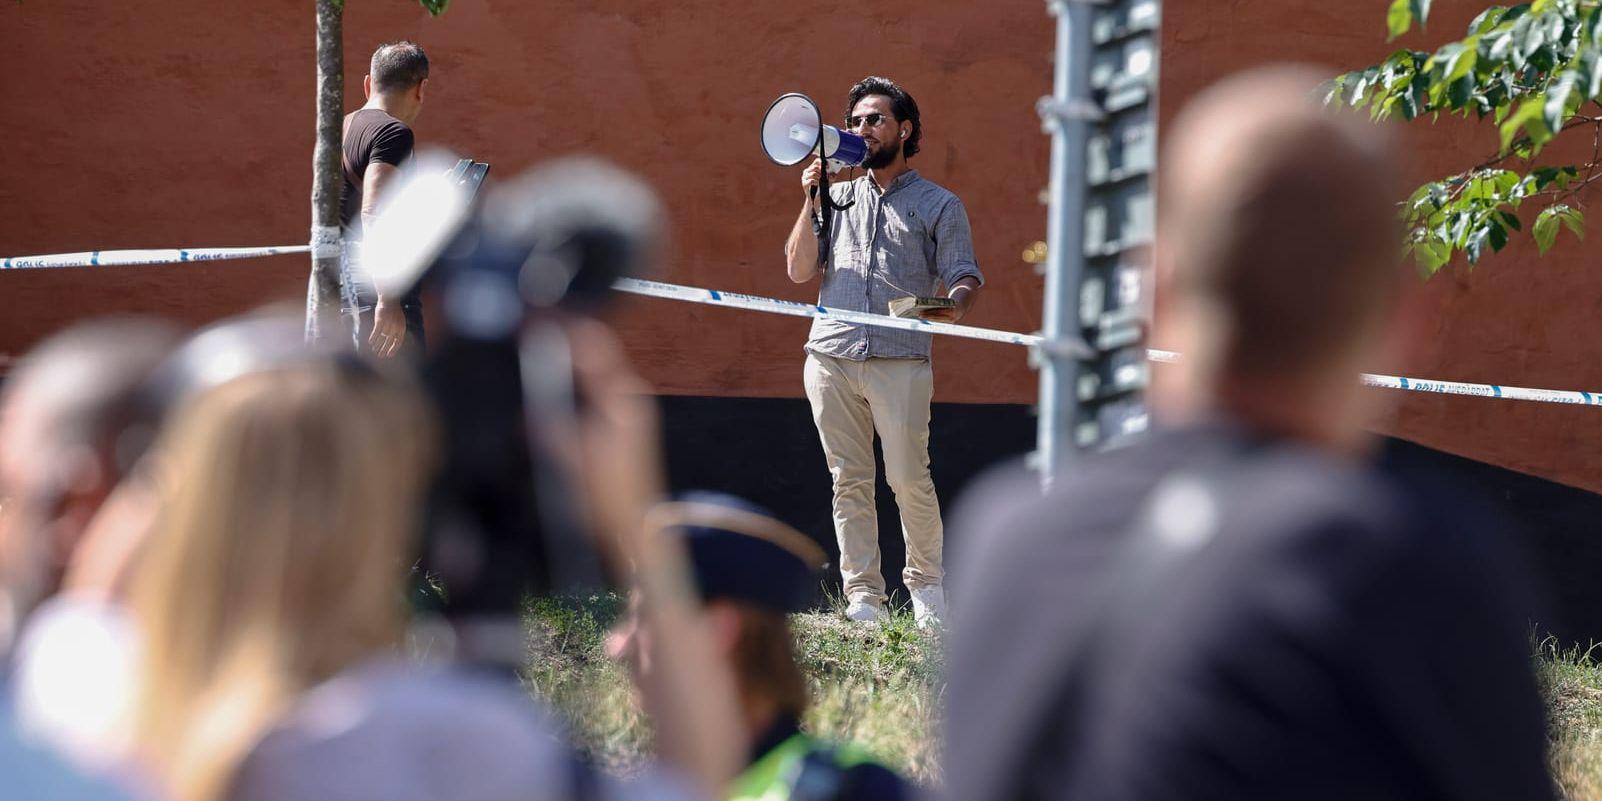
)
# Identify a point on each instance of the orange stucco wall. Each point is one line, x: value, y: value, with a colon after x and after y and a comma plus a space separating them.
x: 168, y: 127
x: 161, y: 125
x: 1517, y: 319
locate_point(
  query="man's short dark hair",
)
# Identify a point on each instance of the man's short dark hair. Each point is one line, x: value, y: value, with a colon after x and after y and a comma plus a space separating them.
x: 901, y: 104
x: 398, y: 66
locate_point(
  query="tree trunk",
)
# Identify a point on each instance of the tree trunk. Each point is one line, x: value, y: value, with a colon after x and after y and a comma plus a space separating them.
x: 323, y: 318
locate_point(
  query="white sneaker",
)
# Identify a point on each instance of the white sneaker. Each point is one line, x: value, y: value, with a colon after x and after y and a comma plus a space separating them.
x: 928, y: 607
x: 864, y: 609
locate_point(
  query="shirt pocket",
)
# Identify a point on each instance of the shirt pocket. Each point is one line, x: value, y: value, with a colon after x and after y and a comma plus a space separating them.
x: 905, y: 229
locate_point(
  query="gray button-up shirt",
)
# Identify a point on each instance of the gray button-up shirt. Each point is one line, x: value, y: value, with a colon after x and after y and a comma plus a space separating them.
x: 913, y: 239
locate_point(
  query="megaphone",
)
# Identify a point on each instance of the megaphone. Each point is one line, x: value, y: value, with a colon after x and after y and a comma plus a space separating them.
x: 792, y: 130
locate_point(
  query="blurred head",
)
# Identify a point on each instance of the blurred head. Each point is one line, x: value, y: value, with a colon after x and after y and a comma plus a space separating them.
x: 1278, y: 251
x: 751, y: 570
x: 398, y: 72
x: 63, y: 415
x: 896, y: 130
x: 288, y: 507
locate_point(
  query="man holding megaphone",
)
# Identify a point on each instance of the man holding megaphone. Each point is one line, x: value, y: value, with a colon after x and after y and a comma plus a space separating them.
x: 890, y: 234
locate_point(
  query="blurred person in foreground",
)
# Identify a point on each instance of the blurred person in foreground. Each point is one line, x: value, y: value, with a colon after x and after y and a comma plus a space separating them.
x: 272, y: 599
x: 751, y: 570
x: 72, y: 426
x: 1241, y: 606
x: 56, y: 470
x: 286, y: 503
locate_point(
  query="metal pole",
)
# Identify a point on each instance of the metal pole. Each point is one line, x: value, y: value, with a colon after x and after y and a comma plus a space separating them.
x: 1066, y: 115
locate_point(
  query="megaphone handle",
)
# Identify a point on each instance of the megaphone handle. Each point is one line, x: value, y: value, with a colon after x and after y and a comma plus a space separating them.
x: 820, y: 216
x: 820, y: 229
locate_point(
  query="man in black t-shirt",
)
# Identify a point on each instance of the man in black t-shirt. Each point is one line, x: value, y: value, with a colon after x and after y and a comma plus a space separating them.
x: 377, y: 145
x: 1241, y: 606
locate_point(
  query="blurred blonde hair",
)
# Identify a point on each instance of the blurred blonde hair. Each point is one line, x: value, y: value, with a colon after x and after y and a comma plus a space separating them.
x: 288, y: 504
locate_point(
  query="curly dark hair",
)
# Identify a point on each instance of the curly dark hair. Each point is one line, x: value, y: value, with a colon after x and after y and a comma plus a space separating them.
x: 901, y: 104
x: 398, y: 65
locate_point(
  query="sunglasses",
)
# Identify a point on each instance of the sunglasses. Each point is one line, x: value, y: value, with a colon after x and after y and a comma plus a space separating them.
x: 871, y: 120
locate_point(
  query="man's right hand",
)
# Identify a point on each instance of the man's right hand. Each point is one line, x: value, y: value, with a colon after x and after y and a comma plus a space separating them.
x: 389, y: 330
x: 810, y: 179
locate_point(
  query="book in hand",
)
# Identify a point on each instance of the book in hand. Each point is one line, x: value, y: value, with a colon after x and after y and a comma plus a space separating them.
x: 916, y: 306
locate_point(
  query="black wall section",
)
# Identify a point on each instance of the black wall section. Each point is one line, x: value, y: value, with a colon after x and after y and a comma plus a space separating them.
x: 1560, y: 527
x: 767, y: 450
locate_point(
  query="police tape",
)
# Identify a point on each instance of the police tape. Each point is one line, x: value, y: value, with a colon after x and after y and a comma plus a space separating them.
x: 1484, y: 390
x: 756, y: 303
x: 130, y: 258
x: 657, y: 289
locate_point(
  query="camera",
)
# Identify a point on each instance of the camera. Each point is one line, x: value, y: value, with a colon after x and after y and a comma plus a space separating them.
x: 504, y: 516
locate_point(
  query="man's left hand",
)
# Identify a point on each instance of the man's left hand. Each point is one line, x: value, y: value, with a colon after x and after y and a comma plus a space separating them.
x: 963, y: 294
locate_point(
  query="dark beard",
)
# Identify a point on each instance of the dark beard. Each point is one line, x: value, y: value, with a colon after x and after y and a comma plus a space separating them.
x: 884, y: 157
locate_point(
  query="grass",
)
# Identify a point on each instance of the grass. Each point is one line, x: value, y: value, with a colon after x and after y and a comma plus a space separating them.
x: 882, y: 688
x: 876, y: 686
x: 1572, y: 684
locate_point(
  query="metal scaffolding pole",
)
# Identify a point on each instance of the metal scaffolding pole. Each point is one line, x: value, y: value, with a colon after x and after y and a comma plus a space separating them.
x: 1066, y: 116
x: 1100, y: 221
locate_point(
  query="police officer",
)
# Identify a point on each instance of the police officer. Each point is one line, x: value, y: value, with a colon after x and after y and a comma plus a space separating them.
x: 751, y: 571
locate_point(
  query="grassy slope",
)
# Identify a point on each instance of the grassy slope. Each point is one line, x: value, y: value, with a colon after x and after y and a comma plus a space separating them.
x: 881, y: 687
x: 1572, y: 683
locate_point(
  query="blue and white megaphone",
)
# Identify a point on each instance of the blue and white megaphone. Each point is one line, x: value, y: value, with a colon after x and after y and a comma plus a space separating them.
x: 793, y: 129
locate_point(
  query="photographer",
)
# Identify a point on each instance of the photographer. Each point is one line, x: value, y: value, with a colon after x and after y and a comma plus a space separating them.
x: 547, y: 463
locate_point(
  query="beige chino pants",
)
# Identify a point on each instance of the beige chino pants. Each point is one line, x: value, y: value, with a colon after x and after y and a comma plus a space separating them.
x: 850, y: 401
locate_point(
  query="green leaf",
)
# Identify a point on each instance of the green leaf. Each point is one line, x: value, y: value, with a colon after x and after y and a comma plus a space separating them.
x: 1520, y: 36
x: 1502, y: 181
x: 1534, y: 37
x: 1511, y: 220
x: 1460, y: 230
x: 1497, y: 235
x: 1588, y: 73
x: 435, y: 7
x: 1475, y: 247
x: 1431, y: 255
x: 1557, y: 100
x: 1399, y: 18
x: 1415, y: 100
x: 1497, y: 47
x: 1486, y: 20
x: 1545, y: 230
x: 1360, y: 89
x: 1336, y: 93
x: 1462, y: 62
x: 1421, y: 10
x: 1574, y: 220
x: 1528, y: 117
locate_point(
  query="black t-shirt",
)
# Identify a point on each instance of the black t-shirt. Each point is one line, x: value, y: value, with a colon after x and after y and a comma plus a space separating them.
x: 1328, y: 633
x: 371, y: 135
